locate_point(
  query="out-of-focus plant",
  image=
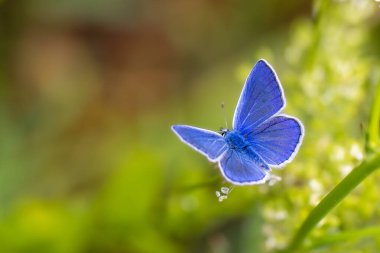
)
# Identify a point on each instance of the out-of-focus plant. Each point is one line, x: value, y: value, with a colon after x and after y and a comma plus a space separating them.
x: 329, y: 59
x: 147, y: 198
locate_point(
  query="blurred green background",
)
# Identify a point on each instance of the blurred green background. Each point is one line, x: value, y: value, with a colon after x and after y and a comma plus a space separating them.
x: 89, y: 90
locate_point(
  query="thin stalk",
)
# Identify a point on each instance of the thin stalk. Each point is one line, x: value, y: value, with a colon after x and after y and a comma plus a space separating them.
x: 332, y: 199
x: 373, y: 124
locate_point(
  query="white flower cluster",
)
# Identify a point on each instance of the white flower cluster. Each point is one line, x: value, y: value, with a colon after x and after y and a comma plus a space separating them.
x: 223, y: 193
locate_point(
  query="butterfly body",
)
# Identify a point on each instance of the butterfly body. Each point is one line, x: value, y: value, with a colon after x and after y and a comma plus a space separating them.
x: 261, y: 137
x: 235, y: 140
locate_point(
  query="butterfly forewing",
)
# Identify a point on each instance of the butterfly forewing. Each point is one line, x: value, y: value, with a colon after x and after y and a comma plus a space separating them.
x: 209, y: 143
x: 261, y: 98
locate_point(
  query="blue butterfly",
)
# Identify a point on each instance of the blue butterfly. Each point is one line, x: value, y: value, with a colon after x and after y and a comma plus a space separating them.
x: 260, y: 138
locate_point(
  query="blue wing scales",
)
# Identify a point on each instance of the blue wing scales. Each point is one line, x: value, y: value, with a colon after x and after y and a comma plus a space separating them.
x: 243, y: 168
x: 208, y: 143
x: 277, y: 140
x: 261, y: 98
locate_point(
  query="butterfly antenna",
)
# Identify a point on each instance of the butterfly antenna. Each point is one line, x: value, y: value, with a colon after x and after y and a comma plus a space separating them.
x: 224, y: 113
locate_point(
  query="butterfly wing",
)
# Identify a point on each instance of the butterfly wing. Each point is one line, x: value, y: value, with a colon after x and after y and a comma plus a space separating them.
x: 261, y: 98
x: 243, y: 168
x: 208, y: 143
x: 277, y: 140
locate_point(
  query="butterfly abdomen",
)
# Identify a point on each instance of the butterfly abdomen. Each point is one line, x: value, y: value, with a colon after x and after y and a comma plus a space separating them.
x: 237, y: 142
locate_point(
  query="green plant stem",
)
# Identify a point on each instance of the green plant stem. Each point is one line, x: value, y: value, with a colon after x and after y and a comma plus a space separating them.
x: 374, y: 119
x: 340, y: 191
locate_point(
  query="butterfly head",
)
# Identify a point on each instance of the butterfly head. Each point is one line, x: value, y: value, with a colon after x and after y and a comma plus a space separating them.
x: 223, y: 131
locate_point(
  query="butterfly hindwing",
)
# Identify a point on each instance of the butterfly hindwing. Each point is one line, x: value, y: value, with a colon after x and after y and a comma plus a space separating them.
x: 209, y: 143
x: 277, y: 140
x: 243, y: 168
x: 261, y: 98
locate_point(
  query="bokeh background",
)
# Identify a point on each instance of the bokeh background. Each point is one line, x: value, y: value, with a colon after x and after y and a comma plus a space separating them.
x: 89, y: 90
